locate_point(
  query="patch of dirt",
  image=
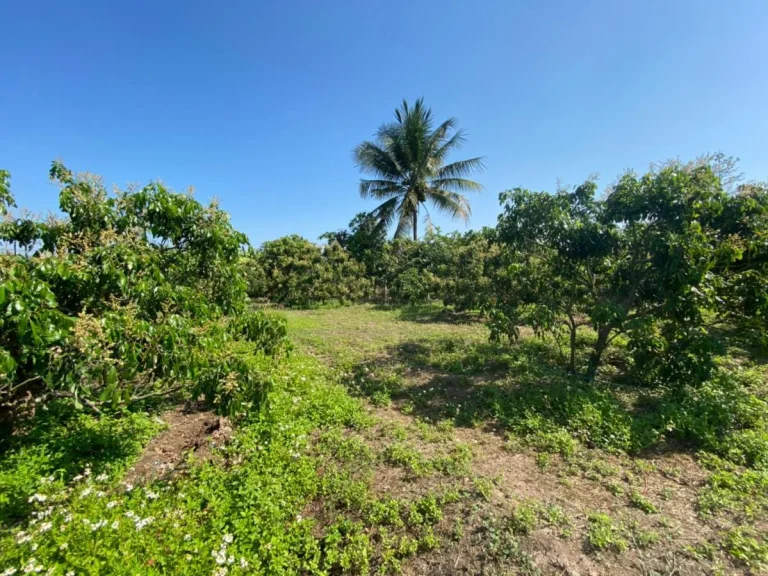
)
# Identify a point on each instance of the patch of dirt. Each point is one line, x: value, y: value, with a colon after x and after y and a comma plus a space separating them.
x: 196, y: 432
x: 518, y: 478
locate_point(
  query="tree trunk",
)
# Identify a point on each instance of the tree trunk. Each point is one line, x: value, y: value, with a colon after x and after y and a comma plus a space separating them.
x: 415, y: 225
x: 597, y: 352
x: 573, y: 348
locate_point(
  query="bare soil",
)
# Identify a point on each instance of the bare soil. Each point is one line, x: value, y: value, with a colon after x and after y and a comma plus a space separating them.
x: 188, y: 432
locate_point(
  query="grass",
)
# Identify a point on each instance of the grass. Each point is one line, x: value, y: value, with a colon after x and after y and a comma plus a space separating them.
x: 394, y: 437
x: 436, y: 367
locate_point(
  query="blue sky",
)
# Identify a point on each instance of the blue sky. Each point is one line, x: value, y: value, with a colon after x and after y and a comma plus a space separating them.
x: 260, y: 103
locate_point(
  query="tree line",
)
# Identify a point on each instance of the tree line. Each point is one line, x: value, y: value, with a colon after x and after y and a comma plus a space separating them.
x: 663, y: 261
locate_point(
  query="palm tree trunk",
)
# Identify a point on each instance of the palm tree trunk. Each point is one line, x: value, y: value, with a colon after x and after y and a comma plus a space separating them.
x: 415, y: 224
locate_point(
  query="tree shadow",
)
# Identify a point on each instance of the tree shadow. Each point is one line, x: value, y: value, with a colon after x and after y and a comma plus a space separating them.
x: 521, y: 389
x: 62, y: 442
x: 432, y: 314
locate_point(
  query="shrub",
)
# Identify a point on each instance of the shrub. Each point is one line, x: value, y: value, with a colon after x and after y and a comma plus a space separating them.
x: 126, y: 300
x: 294, y: 272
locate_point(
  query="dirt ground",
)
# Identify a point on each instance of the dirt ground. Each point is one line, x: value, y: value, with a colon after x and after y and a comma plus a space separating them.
x: 188, y: 432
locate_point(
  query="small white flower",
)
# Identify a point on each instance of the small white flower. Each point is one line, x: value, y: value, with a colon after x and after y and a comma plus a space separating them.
x: 9, y: 572
x: 45, y: 526
x: 228, y: 538
x: 87, y: 492
x: 95, y: 526
x: 111, y: 504
x: 103, y: 477
x: 128, y: 487
x: 299, y: 518
x: 70, y: 573
x: 64, y: 546
x: 37, y: 498
x: 220, y: 557
x: 23, y: 538
x: 243, y: 563
x: 141, y: 523
x: 87, y: 471
x: 100, y: 494
x: 187, y: 537
x: 115, y: 525
x: 77, y: 478
x: 152, y: 495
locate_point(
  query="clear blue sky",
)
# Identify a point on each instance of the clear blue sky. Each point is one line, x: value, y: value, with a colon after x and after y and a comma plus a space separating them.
x: 260, y: 103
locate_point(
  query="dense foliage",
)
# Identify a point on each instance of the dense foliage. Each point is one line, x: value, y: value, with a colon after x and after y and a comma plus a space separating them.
x: 294, y: 272
x: 660, y: 260
x: 664, y: 262
x: 129, y: 297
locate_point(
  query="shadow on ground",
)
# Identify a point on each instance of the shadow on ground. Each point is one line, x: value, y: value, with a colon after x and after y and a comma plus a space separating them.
x: 520, y: 389
x: 432, y: 314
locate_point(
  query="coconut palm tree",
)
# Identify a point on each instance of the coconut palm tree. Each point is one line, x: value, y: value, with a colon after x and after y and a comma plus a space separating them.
x: 408, y: 161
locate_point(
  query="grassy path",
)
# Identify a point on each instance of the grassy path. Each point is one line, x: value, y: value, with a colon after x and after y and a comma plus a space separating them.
x: 454, y: 412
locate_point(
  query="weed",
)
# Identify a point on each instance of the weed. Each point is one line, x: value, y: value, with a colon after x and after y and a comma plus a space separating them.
x: 702, y: 551
x: 614, y: 488
x: 641, y: 538
x: 503, y: 546
x: 743, y: 492
x: 604, y: 534
x: 640, y: 502
x: 457, y: 532
x: 553, y: 515
x: 524, y: 518
x: 429, y: 509
x: 428, y: 540
x: 747, y: 546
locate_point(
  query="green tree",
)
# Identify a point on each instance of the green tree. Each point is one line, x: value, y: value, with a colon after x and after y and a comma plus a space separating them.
x: 6, y: 198
x: 648, y: 262
x: 408, y: 160
x: 133, y: 295
x: 295, y: 272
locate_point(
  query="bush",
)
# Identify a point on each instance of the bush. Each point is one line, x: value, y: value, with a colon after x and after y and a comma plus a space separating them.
x: 127, y: 299
x: 294, y: 272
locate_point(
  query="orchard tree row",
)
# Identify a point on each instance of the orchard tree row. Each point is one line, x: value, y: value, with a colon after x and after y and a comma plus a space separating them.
x: 662, y: 261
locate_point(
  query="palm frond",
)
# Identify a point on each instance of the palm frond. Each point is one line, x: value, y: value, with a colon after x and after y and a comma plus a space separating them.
x: 451, y: 203
x: 379, y: 189
x: 372, y: 158
x: 460, y: 168
x: 444, y: 147
x: 408, y: 210
x: 385, y: 213
x: 460, y: 184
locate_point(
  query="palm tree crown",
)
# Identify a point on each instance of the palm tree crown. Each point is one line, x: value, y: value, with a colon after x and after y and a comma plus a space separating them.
x: 408, y: 160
